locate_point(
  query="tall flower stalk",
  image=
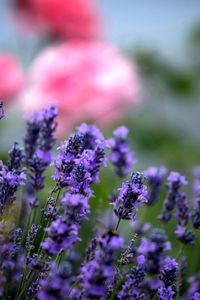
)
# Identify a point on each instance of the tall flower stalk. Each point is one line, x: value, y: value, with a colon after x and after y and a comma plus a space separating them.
x: 40, y: 257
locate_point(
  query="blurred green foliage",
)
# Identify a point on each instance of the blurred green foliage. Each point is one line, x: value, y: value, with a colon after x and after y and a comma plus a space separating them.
x: 180, y: 79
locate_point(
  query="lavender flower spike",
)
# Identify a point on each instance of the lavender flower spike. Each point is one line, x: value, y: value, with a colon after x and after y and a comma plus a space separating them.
x: 56, y: 285
x: 2, y: 114
x: 168, y: 276
x: 131, y: 289
x: 154, y: 249
x: 10, y: 181
x: 98, y: 273
x: 131, y: 194
x: 80, y: 159
x: 175, y: 181
x: 169, y: 273
x: 165, y: 293
x: 196, y: 210
x: 120, y: 155
x: 16, y: 156
x: 61, y: 236
x: 38, y: 143
x: 155, y: 177
x: 182, y: 232
x: 63, y: 232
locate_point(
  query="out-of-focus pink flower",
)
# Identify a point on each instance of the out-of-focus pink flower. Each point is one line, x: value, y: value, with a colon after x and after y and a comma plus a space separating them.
x: 90, y: 81
x: 11, y: 77
x: 62, y: 18
x: 25, y: 15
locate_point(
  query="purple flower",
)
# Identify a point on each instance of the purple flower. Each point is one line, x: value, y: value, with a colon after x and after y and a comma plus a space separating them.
x: 64, y: 164
x: 154, y: 249
x: 31, y: 237
x: 131, y: 289
x: 175, y: 181
x: 183, y: 235
x: 38, y: 143
x: 11, y: 259
x: 182, y: 232
x: 16, y: 156
x: 56, y: 285
x: 2, y: 114
x: 120, y: 155
x: 155, y: 177
x: 63, y: 231
x: 169, y: 273
x: 140, y: 229
x: 165, y: 293
x: 182, y: 209
x: 93, y: 138
x: 61, y: 236
x: 98, y: 273
x: 10, y: 181
x: 81, y: 175
x: 131, y: 194
x: 76, y: 207
x: 196, y: 218
x: 80, y: 159
x: 77, y: 168
x: 194, y: 285
x: 196, y: 296
x: 196, y: 211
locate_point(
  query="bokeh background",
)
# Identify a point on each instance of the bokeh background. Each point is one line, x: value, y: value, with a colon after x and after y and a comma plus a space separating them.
x: 162, y: 38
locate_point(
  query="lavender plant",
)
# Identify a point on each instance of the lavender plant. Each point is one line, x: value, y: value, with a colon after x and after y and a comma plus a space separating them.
x: 40, y: 238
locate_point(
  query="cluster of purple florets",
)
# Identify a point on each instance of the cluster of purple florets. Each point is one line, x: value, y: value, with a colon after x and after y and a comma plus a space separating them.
x: 40, y: 230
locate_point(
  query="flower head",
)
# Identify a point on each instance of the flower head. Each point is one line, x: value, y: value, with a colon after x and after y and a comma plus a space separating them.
x: 60, y: 18
x: 131, y: 289
x: 10, y: 181
x: 155, y: 177
x: 120, y: 155
x: 80, y: 159
x: 154, y: 249
x: 2, y: 115
x: 61, y: 236
x: 131, y: 194
x: 56, y: 285
x: 175, y: 181
x: 38, y: 143
x: 169, y: 273
x: 109, y: 88
x: 98, y: 273
x: 12, y: 78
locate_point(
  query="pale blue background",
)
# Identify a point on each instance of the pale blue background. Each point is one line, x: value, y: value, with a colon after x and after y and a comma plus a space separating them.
x: 158, y: 23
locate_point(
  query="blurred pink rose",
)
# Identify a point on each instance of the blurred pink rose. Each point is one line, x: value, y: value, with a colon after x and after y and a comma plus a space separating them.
x: 90, y: 81
x: 62, y: 18
x: 12, y: 77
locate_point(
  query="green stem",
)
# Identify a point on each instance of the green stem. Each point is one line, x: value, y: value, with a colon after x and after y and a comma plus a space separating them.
x: 20, y: 285
x: 59, y: 257
x: 178, y: 281
x: 180, y: 251
x: 117, y: 226
x: 25, y: 288
x: 27, y: 278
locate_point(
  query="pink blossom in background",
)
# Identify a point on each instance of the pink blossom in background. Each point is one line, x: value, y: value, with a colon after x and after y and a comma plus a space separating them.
x: 24, y: 14
x: 11, y: 77
x: 89, y: 80
x: 62, y: 18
